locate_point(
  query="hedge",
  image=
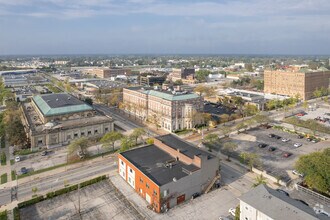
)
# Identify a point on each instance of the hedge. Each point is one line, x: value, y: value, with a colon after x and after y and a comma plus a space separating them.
x: 16, y: 214
x: 4, y: 178
x: 3, y: 215
x: 60, y: 192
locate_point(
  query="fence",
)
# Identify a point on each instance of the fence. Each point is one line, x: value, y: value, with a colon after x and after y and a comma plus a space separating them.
x: 312, y: 193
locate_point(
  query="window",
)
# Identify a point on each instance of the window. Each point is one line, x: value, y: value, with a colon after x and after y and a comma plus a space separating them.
x: 82, y: 133
x: 155, y: 193
x: 141, y: 180
x: 122, y: 163
x: 246, y: 208
x: 75, y: 135
x: 89, y: 132
x: 68, y: 137
x: 96, y: 131
x: 147, y: 185
x: 106, y: 129
x: 39, y: 141
x: 130, y: 170
x: 166, y: 192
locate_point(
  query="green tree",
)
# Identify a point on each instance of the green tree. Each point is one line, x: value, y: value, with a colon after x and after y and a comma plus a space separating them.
x: 80, y: 144
x: 211, y: 140
x: 251, y: 159
x: 224, y: 118
x: 34, y: 191
x: 110, y: 138
x: 316, y: 169
x: 206, y: 91
x: 126, y: 143
x: 137, y: 133
x: 261, y: 119
x: 201, y: 75
x: 260, y: 179
x: 226, y: 130
x: 249, y: 110
x: 237, y: 213
x: 14, y: 128
x: 230, y: 147
x: 249, y: 67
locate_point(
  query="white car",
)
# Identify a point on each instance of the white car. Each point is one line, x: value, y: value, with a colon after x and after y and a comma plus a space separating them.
x: 17, y: 159
x: 232, y: 211
x: 295, y: 172
x: 285, y: 139
x: 297, y: 145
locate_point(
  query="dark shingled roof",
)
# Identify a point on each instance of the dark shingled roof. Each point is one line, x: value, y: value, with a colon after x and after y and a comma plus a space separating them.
x: 61, y: 100
x: 185, y: 148
x: 277, y: 205
x: 152, y: 161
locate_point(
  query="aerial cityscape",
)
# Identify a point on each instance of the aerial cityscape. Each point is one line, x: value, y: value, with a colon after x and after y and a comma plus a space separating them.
x: 155, y: 109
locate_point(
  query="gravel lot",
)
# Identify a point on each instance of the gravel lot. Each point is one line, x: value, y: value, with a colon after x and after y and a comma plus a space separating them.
x: 98, y: 201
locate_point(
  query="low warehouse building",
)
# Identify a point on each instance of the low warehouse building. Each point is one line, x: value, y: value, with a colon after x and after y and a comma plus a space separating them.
x: 168, y: 172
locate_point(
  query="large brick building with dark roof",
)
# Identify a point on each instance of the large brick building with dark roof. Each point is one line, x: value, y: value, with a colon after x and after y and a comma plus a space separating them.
x: 168, y: 172
x: 56, y: 119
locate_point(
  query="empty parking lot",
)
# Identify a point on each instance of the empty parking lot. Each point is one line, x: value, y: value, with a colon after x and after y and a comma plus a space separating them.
x: 98, y: 201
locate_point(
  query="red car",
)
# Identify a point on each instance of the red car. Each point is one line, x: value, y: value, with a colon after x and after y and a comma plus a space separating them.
x: 286, y: 155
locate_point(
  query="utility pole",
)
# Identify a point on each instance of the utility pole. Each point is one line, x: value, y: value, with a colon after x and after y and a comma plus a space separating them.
x: 79, y: 200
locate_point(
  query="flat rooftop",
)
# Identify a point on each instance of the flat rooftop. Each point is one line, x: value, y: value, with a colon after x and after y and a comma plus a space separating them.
x: 277, y: 205
x: 185, y: 148
x: 155, y: 164
x: 60, y: 103
x: 166, y: 94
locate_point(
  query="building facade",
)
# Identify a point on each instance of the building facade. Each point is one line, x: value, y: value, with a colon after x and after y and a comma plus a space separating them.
x: 187, y: 75
x: 106, y: 72
x: 264, y: 203
x: 53, y: 120
x: 170, y: 110
x: 168, y: 172
x: 292, y: 83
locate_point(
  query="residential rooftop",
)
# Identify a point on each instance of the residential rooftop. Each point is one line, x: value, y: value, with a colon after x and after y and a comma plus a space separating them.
x: 60, y: 103
x: 277, y: 205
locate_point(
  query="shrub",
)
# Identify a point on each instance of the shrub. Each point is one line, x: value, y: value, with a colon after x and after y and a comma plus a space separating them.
x: 3, y: 158
x: 13, y: 175
x: 16, y: 214
x: 30, y: 202
x: 4, y: 178
x: 3, y: 215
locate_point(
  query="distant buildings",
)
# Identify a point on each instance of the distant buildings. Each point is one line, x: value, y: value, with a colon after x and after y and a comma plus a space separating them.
x: 56, y: 119
x: 168, y: 172
x: 170, y: 109
x: 264, y: 203
x: 291, y: 83
x: 106, y: 72
x: 187, y: 75
x: 151, y: 80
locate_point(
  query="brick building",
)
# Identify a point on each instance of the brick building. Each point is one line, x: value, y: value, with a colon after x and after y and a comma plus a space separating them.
x: 106, y: 72
x: 168, y: 172
x: 291, y: 83
x: 187, y: 75
x: 171, y: 110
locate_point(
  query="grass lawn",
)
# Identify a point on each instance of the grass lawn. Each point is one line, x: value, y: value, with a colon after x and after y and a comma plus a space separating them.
x: 4, y: 178
x: 12, y: 162
x: 3, y: 215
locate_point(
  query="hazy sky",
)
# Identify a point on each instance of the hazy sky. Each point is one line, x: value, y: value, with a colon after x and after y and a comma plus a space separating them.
x: 159, y: 26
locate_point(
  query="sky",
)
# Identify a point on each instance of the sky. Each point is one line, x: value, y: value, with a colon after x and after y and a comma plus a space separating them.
x: 294, y: 27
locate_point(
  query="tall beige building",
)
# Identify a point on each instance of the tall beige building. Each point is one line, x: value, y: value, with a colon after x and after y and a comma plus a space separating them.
x: 171, y: 110
x: 292, y: 83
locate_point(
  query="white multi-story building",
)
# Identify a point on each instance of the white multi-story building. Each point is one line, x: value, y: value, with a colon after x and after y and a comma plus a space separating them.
x: 171, y: 110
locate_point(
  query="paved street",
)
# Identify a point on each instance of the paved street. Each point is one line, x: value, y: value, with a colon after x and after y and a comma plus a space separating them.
x: 56, y: 179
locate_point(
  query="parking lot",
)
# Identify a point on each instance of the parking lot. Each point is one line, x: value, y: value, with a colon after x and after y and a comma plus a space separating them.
x: 275, y: 162
x: 97, y: 201
x: 322, y: 113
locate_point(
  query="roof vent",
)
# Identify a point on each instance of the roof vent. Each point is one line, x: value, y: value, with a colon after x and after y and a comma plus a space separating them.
x: 174, y: 179
x: 69, y: 98
x: 48, y: 100
x: 57, y: 99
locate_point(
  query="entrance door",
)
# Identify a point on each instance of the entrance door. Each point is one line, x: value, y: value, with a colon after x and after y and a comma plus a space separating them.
x: 180, y: 199
x: 148, y: 198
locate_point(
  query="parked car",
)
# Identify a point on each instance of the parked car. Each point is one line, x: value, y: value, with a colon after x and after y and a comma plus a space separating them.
x: 285, y: 139
x: 17, y: 159
x: 271, y: 135
x: 232, y: 211
x: 315, y: 141
x: 277, y: 137
x: 81, y: 154
x: 300, y: 136
x: 302, y: 201
x: 282, y: 191
x: 297, y: 145
x: 295, y: 172
x: 44, y: 153
x: 195, y: 195
x: 286, y: 154
x: 262, y: 145
x: 24, y: 170
x: 271, y: 149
